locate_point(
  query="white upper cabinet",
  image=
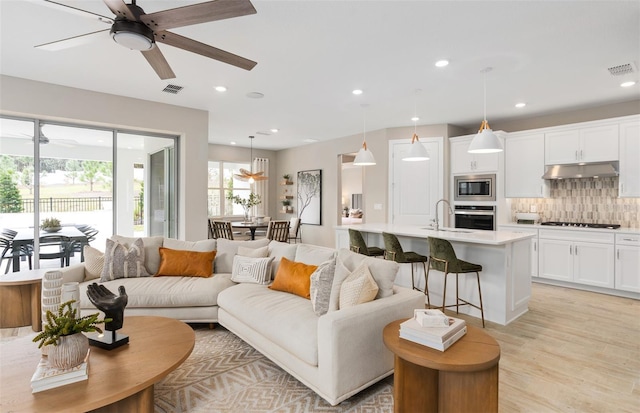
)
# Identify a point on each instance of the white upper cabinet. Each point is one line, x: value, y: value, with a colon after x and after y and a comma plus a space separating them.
x: 590, y: 144
x: 465, y: 162
x: 524, y: 166
x: 629, y: 182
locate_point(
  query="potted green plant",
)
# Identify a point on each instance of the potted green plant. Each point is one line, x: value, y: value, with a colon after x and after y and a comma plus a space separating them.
x: 63, y: 333
x: 51, y: 225
x: 286, y: 179
x: 246, y: 203
x: 286, y: 205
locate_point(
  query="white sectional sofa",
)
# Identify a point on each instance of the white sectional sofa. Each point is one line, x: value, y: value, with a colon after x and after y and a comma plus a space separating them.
x: 336, y: 354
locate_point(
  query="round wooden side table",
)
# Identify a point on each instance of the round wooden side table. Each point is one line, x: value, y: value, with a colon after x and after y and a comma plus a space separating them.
x: 462, y: 378
x: 20, y: 298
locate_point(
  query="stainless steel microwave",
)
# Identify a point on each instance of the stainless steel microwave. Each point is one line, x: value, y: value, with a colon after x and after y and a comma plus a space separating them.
x: 475, y: 188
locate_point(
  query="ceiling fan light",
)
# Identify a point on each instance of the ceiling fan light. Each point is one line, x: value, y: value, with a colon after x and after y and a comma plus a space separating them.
x: 132, y: 35
x: 485, y: 141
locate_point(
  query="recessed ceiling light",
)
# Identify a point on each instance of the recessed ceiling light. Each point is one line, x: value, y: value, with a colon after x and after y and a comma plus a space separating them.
x: 100, y: 140
x: 220, y: 88
x: 275, y: 130
x: 521, y: 105
x: 255, y: 95
x: 357, y: 92
x: 232, y: 142
x: 309, y: 140
x: 415, y: 119
x: 442, y: 63
x: 628, y: 84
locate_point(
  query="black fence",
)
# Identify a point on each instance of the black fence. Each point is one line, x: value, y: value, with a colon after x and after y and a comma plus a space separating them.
x: 66, y: 204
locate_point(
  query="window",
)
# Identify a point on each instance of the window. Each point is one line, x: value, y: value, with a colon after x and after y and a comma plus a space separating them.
x: 221, y: 179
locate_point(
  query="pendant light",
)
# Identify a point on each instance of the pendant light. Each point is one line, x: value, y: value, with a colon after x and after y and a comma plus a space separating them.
x: 364, y: 156
x: 249, y: 176
x: 485, y: 141
x: 417, y: 152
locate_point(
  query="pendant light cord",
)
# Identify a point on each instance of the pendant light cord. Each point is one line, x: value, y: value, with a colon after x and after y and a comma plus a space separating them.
x: 485, y: 96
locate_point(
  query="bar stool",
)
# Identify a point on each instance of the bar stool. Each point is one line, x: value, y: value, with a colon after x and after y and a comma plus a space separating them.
x: 394, y: 252
x: 357, y: 245
x: 443, y: 258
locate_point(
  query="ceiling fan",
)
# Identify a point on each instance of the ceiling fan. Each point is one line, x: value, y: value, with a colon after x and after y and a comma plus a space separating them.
x: 137, y: 30
x: 250, y: 176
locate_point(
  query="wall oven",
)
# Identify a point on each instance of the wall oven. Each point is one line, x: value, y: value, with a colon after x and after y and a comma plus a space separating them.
x: 475, y: 217
x: 475, y: 188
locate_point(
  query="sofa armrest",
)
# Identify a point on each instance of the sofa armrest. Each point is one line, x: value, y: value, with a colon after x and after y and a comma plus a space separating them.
x: 350, y: 343
x: 72, y: 273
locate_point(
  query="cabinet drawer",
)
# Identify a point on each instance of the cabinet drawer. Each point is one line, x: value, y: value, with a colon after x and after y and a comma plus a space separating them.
x: 577, y: 235
x: 628, y: 239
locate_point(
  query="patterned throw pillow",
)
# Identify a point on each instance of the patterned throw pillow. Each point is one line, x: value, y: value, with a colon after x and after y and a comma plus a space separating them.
x: 251, y: 270
x: 123, y: 262
x: 93, y: 263
x: 358, y: 288
x: 320, y: 290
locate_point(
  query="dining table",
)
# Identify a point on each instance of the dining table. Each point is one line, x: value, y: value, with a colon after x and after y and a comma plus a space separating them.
x: 251, y: 226
x: 25, y: 237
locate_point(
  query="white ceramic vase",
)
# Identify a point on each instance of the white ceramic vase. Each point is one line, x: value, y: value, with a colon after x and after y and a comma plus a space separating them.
x: 71, y: 291
x: 69, y: 352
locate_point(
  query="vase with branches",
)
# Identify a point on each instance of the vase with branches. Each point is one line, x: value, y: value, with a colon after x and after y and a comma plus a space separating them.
x: 246, y: 203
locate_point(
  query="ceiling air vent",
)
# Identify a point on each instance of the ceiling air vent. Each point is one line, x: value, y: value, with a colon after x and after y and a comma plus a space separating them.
x: 623, y: 69
x: 173, y: 89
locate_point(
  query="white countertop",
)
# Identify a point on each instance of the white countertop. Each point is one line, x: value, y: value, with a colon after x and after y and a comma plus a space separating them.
x: 635, y: 231
x: 450, y: 234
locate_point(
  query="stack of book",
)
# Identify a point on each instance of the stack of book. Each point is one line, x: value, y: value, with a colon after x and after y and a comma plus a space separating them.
x: 48, y: 377
x: 439, y: 338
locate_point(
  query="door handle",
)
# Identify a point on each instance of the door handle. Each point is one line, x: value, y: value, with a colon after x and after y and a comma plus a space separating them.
x: 581, y: 155
x: 618, y: 254
x: 570, y: 250
x: 576, y: 155
x: 575, y: 249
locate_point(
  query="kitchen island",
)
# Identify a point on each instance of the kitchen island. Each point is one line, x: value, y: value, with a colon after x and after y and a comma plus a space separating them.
x: 505, y: 257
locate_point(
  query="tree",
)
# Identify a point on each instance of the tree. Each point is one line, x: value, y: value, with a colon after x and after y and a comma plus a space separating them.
x: 10, y: 198
x: 73, y: 168
x: 26, y: 178
x: 106, y: 173
x: 90, y: 173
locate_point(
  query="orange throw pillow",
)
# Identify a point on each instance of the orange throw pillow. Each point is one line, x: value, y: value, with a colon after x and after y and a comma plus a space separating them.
x: 294, y: 277
x: 186, y: 263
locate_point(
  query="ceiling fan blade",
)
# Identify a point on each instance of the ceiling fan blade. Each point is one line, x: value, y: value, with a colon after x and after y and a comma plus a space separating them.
x: 70, y: 41
x: 159, y: 63
x: 120, y: 9
x: 241, y: 177
x: 193, y: 46
x: 197, y: 13
x: 70, y: 9
x: 260, y: 178
x: 244, y: 171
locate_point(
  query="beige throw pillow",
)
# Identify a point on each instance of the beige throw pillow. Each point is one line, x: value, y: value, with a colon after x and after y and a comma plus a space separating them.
x: 93, y: 263
x: 261, y: 252
x: 320, y: 290
x: 358, y: 288
x: 123, y: 262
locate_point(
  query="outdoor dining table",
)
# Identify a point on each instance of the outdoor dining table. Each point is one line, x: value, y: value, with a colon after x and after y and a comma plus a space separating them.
x: 25, y: 237
x: 251, y: 226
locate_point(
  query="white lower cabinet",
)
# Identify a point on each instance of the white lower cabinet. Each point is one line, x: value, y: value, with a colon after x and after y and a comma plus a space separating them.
x: 534, y: 243
x: 577, y: 256
x: 627, y: 275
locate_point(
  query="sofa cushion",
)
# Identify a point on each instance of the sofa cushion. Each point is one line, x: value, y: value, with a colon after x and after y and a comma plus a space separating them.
x: 122, y: 261
x: 320, y: 288
x: 93, y: 263
x: 261, y: 252
x: 284, y: 319
x: 313, y: 254
x: 227, y: 249
x: 294, y: 277
x: 278, y: 250
x: 359, y: 287
x: 251, y: 270
x: 383, y: 271
x: 165, y: 292
x: 185, y: 263
x: 204, y: 245
x: 151, y: 250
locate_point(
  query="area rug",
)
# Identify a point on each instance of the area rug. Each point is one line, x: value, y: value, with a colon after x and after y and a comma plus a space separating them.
x: 224, y: 374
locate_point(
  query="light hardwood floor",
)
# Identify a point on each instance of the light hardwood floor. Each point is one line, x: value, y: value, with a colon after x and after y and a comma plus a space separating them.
x: 574, y: 351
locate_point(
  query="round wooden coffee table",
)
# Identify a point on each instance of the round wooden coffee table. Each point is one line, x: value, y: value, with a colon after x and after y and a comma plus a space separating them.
x: 119, y: 380
x: 463, y: 378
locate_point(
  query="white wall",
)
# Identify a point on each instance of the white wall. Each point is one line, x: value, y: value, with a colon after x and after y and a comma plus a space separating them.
x: 27, y: 98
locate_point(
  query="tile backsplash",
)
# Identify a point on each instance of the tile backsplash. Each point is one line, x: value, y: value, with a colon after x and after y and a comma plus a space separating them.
x: 583, y: 200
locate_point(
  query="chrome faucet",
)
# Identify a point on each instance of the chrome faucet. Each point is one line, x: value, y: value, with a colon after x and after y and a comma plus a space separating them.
x: 436, y: 225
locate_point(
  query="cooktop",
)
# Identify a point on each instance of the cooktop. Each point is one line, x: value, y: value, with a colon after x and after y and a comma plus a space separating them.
x: 580, y: 224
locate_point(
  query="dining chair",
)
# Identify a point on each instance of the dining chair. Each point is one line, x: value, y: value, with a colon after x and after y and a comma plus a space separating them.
x: 56, y: 247
x: 211, y: 232
x: 263, y: 232
x: 357, y: 245
x: 394, y: 252
x: 6, y: 245
x: 442, y: 257
x: 278, y: 231
x: 222, y: 229
x: 294, y: 230
x: 78, y: 246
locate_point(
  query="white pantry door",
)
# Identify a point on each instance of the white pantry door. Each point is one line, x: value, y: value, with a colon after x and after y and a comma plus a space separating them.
x: 415, y: 187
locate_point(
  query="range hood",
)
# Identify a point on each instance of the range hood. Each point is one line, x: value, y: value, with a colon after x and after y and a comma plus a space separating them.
x: 588, y: 170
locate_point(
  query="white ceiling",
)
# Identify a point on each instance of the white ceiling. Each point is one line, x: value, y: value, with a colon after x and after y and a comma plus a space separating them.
x: 553, y: 55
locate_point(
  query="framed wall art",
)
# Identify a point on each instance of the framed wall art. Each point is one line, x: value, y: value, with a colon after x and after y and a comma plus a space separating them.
x: 310, y: 197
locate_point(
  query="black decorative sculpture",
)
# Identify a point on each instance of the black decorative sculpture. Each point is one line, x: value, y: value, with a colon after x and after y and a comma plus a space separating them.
x: 113, y: 307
